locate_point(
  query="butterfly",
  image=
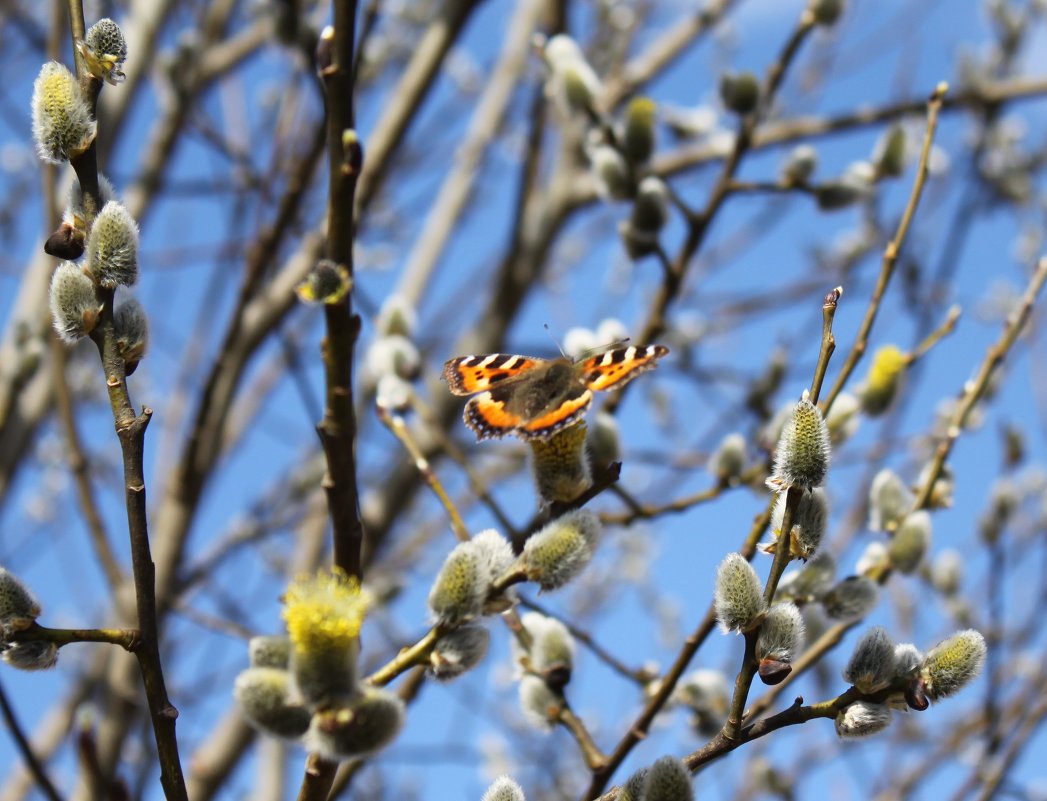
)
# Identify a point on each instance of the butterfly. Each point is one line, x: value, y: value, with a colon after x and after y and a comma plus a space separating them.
x: 534, y: 398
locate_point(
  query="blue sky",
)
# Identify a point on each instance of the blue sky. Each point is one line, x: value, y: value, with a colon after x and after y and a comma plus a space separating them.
x: 456, y: 732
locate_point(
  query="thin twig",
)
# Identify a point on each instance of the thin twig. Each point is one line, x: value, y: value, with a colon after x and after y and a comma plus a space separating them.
x: 130, y: 430
x: 128, y: 639
x: 893, y: 249
x: 395, y: 423
x: 337, y: 430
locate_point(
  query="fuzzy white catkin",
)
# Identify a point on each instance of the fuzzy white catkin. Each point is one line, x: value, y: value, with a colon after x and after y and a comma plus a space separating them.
x: 366, y: 725
x: 458, y: 651
x: 953, y: 663
x: 112, y: 247
x: 74, y: 302
x: 457, y: 594
x: 494, y: 552
x: 910, y: 542
x: 802, y: 456
x: 782, y: 633
x: 668, y: 780
x: 32, y: 655
x: 551, y: 643
x: 738, y: 597
x: 62, y: 123
x: 872, y: 665
x: 18, y: 608
x: 561, y: 550
x: 504, y: 789
x: 862, y: 718
x: 889, y: 500
x: 852, y: 598
x: 263, y: 694
x: 538, y: 703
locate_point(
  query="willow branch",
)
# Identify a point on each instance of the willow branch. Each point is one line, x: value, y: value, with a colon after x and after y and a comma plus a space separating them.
x: 337, y: 430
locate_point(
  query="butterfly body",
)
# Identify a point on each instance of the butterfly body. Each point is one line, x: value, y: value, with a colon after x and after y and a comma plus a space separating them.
x: 534, y: 398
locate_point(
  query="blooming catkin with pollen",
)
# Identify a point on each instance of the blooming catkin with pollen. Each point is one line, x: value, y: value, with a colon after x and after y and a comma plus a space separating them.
x: 104, y: 50
x: 324, y: 614
x: 62, y: 123
x: 802, y: 456
x: 738, y: 597
x: 557, y: 553
x: 112, y: 247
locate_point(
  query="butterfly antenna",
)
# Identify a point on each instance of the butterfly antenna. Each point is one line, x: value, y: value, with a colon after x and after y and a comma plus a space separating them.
x: 555, y: 343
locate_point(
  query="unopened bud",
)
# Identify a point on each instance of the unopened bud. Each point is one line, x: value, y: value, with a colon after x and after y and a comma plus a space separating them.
x: 826, y: 12
x: 889, y: 501
x: 459, y: 651
x: 360, y: 727
x: 31, y: 655
x: 264, y: 696
x: 638, y: 130
x: 910, y: 542
x: 851, y: 599
x: 558, y: 552
x: 739, y: 596
x: 504, y: 789
x: 668, y: 780
x: 74, y: 302
x: 952, y: 664
x: 112, y: 247
x: 862, y: 718
x: 872, y: 664
x: 739, y: 92
x: 802, y: 456
x: 62, y: 125
x: 882, y: 382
